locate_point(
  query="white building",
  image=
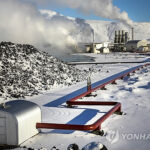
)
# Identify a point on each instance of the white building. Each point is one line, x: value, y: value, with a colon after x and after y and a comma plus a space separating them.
x: 92, y: 48
x: 98, y: 47
x: 135, y: 45
x: 104, y: 50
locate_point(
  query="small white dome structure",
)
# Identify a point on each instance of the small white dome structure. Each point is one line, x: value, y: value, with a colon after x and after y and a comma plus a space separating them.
x: 18, y: 121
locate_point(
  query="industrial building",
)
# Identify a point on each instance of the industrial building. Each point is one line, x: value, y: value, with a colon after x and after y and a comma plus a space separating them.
x: 120, y: 39
x: 97, y: 47
x: 92, y: 48
x: 122, y: 43
x: 137, y: 45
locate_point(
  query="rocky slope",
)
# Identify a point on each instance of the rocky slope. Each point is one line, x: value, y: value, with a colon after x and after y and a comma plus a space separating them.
x: 24, y: 71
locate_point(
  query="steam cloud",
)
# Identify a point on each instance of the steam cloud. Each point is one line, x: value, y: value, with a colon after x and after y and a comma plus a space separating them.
x: 102, y: 8
x: 22, y: 22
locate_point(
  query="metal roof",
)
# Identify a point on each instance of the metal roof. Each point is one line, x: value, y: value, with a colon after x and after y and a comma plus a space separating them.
x: 133, y: 42
x: 18, y: 107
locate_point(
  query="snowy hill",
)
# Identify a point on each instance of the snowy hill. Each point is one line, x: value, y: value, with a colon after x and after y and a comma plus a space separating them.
x: 104, y: 30
x: 25, y: 71
x: 53, y: 32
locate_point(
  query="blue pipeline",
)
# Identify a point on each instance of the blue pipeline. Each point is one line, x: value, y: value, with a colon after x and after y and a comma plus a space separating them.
x: 76, y: 93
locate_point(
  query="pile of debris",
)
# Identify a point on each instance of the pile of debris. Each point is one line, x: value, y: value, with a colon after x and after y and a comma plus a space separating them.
x: 25, y: 71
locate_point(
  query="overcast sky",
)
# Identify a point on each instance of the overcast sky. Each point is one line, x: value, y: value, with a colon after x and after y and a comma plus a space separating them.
x: 138, y: 10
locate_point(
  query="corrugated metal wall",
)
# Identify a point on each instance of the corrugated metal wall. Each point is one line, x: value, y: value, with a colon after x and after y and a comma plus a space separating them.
x: 2, y: 128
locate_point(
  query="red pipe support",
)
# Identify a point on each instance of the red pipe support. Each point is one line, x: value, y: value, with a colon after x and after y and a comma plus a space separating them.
x: 97, y: 124
x: 94, y: 126
x: 102, y: 103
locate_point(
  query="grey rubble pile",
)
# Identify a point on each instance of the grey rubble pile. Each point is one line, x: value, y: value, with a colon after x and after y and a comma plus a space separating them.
x: 25, y: 71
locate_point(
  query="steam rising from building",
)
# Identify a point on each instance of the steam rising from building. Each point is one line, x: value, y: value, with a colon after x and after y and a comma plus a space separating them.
x: 101, y: 8
x: 22, y: 22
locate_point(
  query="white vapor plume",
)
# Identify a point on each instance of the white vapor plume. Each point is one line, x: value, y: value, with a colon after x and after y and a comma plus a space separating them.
x: 101, y: 8
x: 22, y: 22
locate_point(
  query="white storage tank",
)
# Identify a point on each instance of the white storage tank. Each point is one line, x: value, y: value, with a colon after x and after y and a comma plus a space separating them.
x: 105, y: 50
x: 18, y: 121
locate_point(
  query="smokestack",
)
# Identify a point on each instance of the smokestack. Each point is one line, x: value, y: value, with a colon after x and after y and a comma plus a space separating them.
x: 132, y: 33
x: 116, y: 37
x: 123, y: 37
x: 120, y: 35
x: 126, y: 37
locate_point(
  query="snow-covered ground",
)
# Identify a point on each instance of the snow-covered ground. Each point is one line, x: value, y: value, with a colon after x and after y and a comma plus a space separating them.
x: 24, y: 72
x: 128, y: 131
x: 80, y: 58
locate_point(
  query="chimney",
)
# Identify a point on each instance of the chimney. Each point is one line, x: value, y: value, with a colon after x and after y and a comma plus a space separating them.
x: 132, y: 33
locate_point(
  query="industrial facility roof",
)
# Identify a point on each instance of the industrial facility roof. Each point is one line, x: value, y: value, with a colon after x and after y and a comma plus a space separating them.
x: 133, y: 41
